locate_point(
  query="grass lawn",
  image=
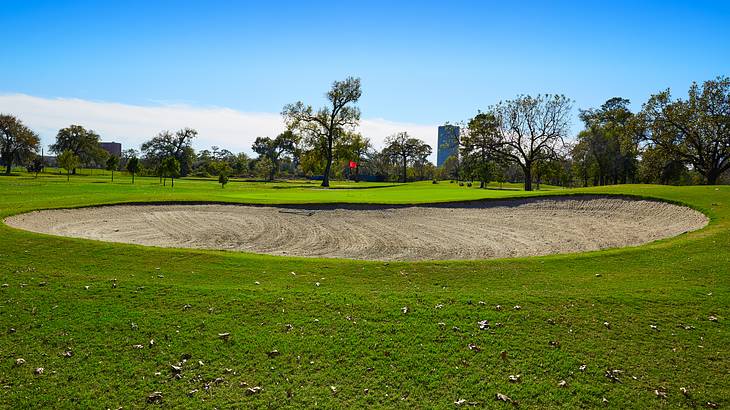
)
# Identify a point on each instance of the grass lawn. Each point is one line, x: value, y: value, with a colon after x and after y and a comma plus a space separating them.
x: 346, y: 342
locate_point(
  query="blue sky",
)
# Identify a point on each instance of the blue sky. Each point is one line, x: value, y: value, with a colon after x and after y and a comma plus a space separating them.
x: 420, y: 62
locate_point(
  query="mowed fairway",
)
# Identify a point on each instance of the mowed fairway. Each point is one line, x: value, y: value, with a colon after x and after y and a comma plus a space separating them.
x: 332, y: 333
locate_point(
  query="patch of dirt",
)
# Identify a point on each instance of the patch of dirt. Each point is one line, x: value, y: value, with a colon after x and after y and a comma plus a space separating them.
x: 473, y: 230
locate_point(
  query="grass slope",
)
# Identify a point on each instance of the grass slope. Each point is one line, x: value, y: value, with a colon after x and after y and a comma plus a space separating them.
x: 349, y: 333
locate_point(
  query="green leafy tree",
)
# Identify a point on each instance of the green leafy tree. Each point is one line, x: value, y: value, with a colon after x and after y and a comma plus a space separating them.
x: 404, y: 150
x: 170, y: 168
x: 264, y: 167
x: 112, y: 164
x: 167, y: 144
x: 36, y: 165
x: 611, y: 136
x: 18, y: 143
x: 68, y: 161
x: 223, y: 180
x: 477, y: 144
x: 81, y: 142
x: 695, y: 130
x: 133, y: 166
x: 327, y: 125
x: 274, y: 149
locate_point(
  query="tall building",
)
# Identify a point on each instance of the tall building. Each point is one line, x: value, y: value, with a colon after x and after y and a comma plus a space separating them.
x: 113, y: 148
x: 448, y: 143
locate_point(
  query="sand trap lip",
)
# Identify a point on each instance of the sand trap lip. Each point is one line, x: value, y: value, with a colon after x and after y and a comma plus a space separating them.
x: 467, y: 230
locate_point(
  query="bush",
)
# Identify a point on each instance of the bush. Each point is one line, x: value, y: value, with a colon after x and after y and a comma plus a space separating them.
x: 468, y: 184
x: 434, y: 182
x: 461, y: 184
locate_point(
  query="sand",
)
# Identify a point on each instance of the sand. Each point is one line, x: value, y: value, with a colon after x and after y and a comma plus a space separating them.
x: 473, y: 230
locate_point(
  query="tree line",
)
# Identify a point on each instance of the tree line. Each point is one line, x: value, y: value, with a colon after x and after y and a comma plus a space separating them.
x: 526, y: 139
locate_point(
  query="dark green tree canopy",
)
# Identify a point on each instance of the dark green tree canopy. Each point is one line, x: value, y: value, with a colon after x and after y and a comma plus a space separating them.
x: 404, y: 150
x: 695, y: 130
x: 81, y: 142
x: 177, y: 145
x: 18, y: 143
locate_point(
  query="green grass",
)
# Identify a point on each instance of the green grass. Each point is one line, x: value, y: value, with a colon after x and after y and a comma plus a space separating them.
x: 349, y: 332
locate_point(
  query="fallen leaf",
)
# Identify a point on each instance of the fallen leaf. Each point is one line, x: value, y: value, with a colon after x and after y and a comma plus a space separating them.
x: 483, y: 324
x: 224, y: 336
x: 517, y: 307
x: 562, y: 384
x: 175, y: 369
x: 460, y: 402
x: 474, y: 347
x: 19, y: 361
x: 608, y: 325
x: 504, y: 398
x: 503, y: 355
x: 155, y: 397
x: 660, y: 393
x: 515, y: 378
x: 712, y: 318
x: 67, y: 353
x: 654, y: 327
x: 613, y: 375
x: 498, y: 307
x: 684, y: 391
x: 582, y: 367
x: 273, y: 354
x: 192, y: 392
x: 334, y: 390
x: 137, y: 347
x: 404, y: 309
x: 439, y: 306
x: 712, y: 405
x: 38, y: 370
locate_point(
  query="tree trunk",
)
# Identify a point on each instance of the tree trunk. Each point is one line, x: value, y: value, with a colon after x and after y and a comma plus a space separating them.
x: 172, y: 182
x: 68, y: 175
x: 326, y: 178
x: 132, y: 178
x: 527, y: 169
x: 7, y: 168
x: 112, y: 175
x: 712, y: 176
x: 405, y: 168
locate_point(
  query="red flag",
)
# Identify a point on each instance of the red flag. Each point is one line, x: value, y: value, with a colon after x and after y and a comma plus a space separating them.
x: 353, y: 164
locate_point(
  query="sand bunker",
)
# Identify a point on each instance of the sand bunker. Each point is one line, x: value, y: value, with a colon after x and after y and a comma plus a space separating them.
x: 474, y: 230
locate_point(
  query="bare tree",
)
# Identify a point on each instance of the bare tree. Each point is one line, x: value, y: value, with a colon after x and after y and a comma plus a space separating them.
x: 531, y: 129
x: 324, y: 127
x: 696, y: 130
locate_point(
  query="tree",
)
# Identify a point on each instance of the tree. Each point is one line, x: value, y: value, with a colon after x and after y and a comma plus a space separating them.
x: 18, y: 143
x: 167, y: 144
x: 223, y: 180
x: 695, y: 130
x: 170, y: 167
x: 404, y: 150
x: 324, y: 127
x: 478, y: 143
x: 112, y: 163
x: 531, y: 129
x: 273, y: 149
x: 133, y: 166
x: 68, y: 161
x: 81, y: 142
x: 36, y: 165
x: 611, y: 136
x: 264, y: 167
x: 352, y: 147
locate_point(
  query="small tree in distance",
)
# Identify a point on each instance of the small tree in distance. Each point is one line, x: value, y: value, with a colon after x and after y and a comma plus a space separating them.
x: 112, y: 163
x: 133, y: 166
x: 170, y: 168
x: 223, y: 180
x: 68, y: 161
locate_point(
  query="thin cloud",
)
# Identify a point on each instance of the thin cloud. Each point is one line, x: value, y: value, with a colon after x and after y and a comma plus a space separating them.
x: 133, y: 124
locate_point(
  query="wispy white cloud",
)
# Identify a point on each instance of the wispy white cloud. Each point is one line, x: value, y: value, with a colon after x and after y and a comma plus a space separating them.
x: 133, y: 124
